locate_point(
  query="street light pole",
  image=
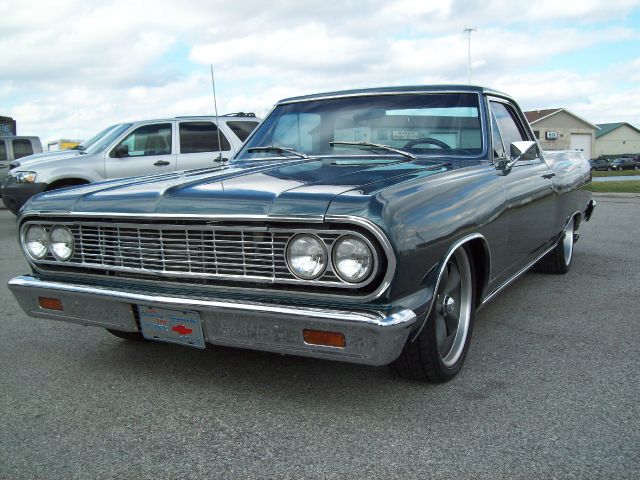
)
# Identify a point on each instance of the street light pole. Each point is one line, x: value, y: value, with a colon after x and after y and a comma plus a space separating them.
x: 468, y: 31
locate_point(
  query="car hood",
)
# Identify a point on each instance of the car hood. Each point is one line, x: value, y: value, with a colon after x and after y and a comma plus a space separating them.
x: 257, y: 188
x: 39, y: 158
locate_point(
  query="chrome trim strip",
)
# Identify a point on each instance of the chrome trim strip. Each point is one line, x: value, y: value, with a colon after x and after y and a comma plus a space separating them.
x: 443, y: 264
x: 372, y: 94
x: 376, y: 318
x: 176, y: 216
x: 516, y: 275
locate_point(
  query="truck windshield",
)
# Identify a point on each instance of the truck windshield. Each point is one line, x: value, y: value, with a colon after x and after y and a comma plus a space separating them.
x: 87, y: 143
x: 421, y: 124
x: 99, y: 143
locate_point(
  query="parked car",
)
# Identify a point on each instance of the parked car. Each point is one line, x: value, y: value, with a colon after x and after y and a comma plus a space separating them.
x: 127, y: 150
x: 625, y: 164
x: 600, y: 164
x: 364, y: 226
x: 13, y: 147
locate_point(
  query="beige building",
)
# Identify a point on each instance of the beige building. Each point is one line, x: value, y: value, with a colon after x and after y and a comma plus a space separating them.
x: 560, y: 129
x: 617, y: 139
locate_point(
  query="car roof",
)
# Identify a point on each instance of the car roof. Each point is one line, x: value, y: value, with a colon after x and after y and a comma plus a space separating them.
x: 245, y: 117
x: 395, y: 90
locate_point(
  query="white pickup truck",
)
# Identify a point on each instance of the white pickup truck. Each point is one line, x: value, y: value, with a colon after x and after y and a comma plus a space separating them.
x: 127, y: 150
x: 13, y: 147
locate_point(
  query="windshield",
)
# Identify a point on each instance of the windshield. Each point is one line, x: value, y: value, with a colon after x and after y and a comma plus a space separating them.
x: 421, y: 124
x: 108, y: 136
x: 87, y: 143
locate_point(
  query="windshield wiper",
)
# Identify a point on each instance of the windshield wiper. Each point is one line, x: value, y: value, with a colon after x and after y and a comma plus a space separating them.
x: 280, y: 150
x: 405, y: 154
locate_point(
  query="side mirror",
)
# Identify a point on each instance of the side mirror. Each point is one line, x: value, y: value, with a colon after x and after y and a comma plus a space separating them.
x: 121, y: 151
x: 523, y: 150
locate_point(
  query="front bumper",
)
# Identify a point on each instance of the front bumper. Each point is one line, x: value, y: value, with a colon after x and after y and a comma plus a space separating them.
x: 15, y: 195
x: 372, y: 337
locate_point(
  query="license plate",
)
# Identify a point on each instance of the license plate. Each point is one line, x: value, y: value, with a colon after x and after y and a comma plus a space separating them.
x: 404, y: 135
x: 172, y: 326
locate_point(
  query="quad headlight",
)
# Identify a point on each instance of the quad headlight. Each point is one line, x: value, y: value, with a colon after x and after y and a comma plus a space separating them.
x: 36, y: 242
x: 307, y: 256
x: 61, y: 243
x: 352, y: 259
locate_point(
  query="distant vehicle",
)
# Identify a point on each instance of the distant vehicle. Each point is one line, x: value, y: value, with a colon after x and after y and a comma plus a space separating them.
x: 600, y: 164
x: 128, y: 150
x: 13, y: 147
x: 625, y: 164
x: 62, y: 144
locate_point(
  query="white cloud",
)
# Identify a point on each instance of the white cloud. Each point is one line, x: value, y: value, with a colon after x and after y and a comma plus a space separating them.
x: 80, y: 65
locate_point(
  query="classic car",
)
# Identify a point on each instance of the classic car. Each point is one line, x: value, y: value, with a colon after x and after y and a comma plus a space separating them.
x: 363, y: 226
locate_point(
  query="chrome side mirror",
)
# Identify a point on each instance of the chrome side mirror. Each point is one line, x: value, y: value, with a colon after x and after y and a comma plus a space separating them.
x: 523, y: 150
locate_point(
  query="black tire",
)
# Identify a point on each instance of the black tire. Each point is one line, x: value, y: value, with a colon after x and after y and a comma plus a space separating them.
x: 559, y: 259
x: 133, y: 336
x: 421, y: 359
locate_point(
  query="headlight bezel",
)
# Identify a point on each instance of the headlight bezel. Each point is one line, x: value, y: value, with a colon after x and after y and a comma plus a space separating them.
x: 372, y: 258
x: 53, y: 252
x: 287, y: 254
x: 24, y: 242
x: 24, y: 176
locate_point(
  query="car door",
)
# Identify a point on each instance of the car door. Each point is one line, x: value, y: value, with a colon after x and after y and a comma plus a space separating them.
x: 198, y: 144
x: 529, y: 189
x: 145, y: 150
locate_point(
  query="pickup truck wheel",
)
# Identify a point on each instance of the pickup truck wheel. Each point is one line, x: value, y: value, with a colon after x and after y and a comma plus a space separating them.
x: 135, y: 336
x: 437, y: 354
x: 559, y: 259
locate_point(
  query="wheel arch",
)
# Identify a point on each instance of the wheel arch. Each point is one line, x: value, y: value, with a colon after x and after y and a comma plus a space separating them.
x: 66, y: 182
x: 479, y: 253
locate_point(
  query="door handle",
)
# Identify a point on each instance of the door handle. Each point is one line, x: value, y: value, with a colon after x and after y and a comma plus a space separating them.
x: 161, y: 163
x: 549, y: 175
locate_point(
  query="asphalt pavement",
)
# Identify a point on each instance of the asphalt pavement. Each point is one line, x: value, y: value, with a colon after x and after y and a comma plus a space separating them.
x: 550, y: 389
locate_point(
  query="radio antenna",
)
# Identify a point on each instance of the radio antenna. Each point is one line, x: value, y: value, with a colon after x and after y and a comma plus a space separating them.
x: 215, y: 109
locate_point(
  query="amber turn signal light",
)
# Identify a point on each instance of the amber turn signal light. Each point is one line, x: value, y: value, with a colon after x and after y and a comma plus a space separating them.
x: 50, y: 303
x: 328, y: 339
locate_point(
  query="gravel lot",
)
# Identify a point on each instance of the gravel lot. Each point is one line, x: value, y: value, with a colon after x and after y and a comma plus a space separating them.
x: 550, y: 390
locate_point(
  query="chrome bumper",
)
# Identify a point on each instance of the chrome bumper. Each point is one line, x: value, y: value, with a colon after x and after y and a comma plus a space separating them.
x: 372, y: 337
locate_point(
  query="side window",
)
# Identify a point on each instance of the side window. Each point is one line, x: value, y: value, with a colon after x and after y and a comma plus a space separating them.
x: 198, y: 137
x: 147, y: 140
x: 21, y: 148
x: 496, y: 139
x: 3, y: 150
x: 242, y: 129
x: 509, y: 126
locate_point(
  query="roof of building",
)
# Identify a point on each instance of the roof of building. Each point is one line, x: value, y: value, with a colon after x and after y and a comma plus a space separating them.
x: 534, y: 116
x: 610, y: 127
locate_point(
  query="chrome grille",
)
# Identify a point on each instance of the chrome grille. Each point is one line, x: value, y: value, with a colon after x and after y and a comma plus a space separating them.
x: 200, y: 251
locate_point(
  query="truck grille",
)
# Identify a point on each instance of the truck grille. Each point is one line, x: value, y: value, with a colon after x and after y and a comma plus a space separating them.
x: 196, y: 251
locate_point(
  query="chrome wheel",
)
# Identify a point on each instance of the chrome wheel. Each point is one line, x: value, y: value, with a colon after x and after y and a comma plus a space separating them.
x: 452, y: 308
x: 567, y: 242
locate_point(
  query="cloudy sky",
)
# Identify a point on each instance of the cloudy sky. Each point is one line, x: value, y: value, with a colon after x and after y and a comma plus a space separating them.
x: 69, y: 68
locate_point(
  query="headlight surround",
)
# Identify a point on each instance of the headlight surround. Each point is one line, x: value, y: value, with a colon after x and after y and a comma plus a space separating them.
x: 307, y: 256
x: 25, y: 177
x: 36, y: 242
x: 352, y: 259
x: 61, y: 243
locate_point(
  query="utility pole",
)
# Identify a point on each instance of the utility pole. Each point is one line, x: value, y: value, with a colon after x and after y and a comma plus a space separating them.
x: 468, y: 31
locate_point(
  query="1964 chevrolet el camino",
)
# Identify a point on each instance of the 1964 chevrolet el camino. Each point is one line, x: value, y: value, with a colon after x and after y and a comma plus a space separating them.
x: 364, y: 226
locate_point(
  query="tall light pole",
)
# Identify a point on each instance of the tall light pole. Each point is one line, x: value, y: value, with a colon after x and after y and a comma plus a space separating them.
x: 468, y: 31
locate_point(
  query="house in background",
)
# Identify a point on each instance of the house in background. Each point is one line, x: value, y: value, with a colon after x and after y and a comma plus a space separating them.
x: 560, y: 129
x: 614, y: 139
